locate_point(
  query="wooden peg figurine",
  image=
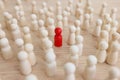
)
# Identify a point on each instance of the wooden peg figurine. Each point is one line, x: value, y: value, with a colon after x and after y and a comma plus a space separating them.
x: 102, y: 53
x: 71, y: 37
x: 25, y: 65
x: 74, y: 51
x: 51, y: 65
x: 69, y: 69
x: 97, y: 29
x: 27, y: 36
x: 31, y: 55
x: 6, y: 50
x: 79, y: 43
x: 90, y: 69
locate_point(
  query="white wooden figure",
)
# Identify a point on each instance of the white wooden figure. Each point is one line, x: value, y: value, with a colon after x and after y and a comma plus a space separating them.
x: 112, y: 58
x: 113, y: 13
x: 69, y: 69
x: 86, y: 22
x: 51, y: 12
x: 34, y: 22
x: 31, y: 55
x: 102, y: 53
x: 79, y: 43
x: 114, y: 39
x: 77, y: 25
x: 71, y: 37
x: 22, y: 19
x: 20, y: 43
x: 74, y: 52
x: 68, y: 10
x: 6, y: 49
x: 42, y: 14
x: 14, y: 21
x: 97, y: 29
x: 88, y: 4
x: 80, y: 16
x: 78, y: 7
x: 65, y: 19
x: 19, y: 3
x: 103, y: 10
x: 2, y: 6
x: 114, y: 74
x: 25, y: 66
x: 16, y: 31
x: 31, y: 77
x: 59, y: 8
x: 59, y: 21
x: 51, y: 65
x: 45, y: 8
x: 34, y: 8
x: 90, y: 11
x: 27, y: 36
x: 51, y: 27
x: 70, y: 4
x: 17, y: 10
x: 90, y: 69
x: 41, y: 25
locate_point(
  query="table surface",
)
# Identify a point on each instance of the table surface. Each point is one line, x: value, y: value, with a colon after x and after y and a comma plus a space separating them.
x: 9, y: 69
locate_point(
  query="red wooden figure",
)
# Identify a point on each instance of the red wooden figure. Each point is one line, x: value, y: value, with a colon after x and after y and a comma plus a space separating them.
x: 58, y: 37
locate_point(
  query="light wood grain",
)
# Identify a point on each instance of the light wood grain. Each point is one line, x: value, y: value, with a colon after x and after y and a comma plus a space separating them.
x: 9, y: 70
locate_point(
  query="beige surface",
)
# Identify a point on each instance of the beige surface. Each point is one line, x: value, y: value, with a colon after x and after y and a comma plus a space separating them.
x: 9, y: 70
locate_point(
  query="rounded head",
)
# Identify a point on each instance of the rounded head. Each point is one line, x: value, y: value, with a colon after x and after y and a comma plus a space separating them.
x: 4, y: 42
x: 69, y: 68
x: 50, y: 57
x: 58, y: 3
x: 41, y: 23
x: 80, y: 11
x: 14, y: 21
x: 67, y: 8
x: 115, y: 36
x: 51, y: 9
x: 72, y: 28
x: 14, y: 26
x: 91, y: 60
x: 48, y: 44
x: 31, y: 77
x: 107, y: 16
x: 59, y: 17
x: 21, y: 13
x: 51, y: 21
x: 103, y: 45
x: 33, y: 16
x: 114, y: 23
x: 87, y: 16
x: 16, y: 8
x: 90, y: 9
x: 103, y: 34
x: 77, y: 22
x: 33, y: 2
x: 74, y: 49
x: 114, y: 10
x: 104, y: 5
x: 44, y: 4
x: 65, y: 13
x: 29, y: 47
x: 99, y: 22
x: 26, y: 29
x: 41, y: 11
x: 19, y: 42
x: 44, y: 33
x: 58, y: 30
x: 79, y: 39
x: 22, y: 55
x: 2, y: 34
x: 114, y: 72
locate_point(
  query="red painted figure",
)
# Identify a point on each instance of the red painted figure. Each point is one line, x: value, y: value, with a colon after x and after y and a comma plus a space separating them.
x: 58, y: 37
